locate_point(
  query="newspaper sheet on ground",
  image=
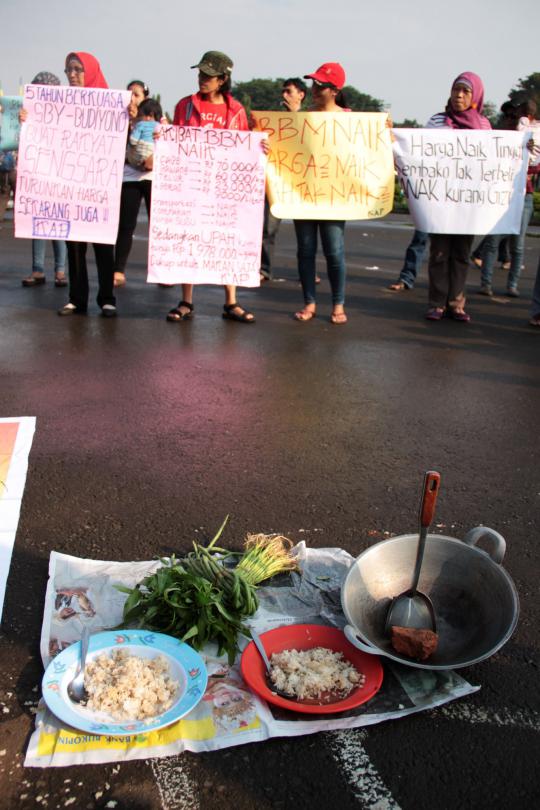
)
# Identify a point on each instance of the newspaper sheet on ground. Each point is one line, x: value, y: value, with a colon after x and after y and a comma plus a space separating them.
x: 82, y: 592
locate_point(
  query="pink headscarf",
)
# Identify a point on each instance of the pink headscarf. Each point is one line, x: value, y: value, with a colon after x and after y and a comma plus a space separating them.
x: 471, y: 118
x: 93, y: 77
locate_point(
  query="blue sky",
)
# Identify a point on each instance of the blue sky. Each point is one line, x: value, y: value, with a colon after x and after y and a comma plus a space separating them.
x: 406, y: 53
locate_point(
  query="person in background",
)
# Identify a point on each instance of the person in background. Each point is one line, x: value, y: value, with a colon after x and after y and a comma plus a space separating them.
x: 39, y: 245
x: 212, y: 106
x: 293, y: 93
x: 503, y: 254
x: 328, y: 82
x: 126, y: 227
x: 535, y: 305
x: 449, y: 253
x: 139, y: 92
x: 516, y: 241
x: 137, y: 181
x: 414, y: 256
x: 8, y: 178
x: 83, y: 70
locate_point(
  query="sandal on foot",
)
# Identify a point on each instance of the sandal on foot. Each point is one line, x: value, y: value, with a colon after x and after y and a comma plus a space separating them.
x: 33, y: 281
x: 175, y: 315
x: 460, y: 315
x: 60, y: 281
x: 398, y: 286
x: 234, y: 312
x: 434, y: 314
x: 304, y: 315
x: 338, y: 317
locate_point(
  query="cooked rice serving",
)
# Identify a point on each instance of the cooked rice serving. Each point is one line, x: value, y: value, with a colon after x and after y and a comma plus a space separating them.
x: 311, y: 673
x: 128, y: 687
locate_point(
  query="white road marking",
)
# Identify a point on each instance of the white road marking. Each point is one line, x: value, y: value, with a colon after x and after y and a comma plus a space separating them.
x: 348, y: 751
x: 497, y: 717
x: 177, y: 788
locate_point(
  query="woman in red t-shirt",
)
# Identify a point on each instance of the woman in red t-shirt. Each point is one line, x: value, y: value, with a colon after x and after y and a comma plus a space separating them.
x: 213, y: 106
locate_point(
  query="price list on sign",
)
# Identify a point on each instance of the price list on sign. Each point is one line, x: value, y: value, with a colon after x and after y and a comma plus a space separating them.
x: 207, y: 207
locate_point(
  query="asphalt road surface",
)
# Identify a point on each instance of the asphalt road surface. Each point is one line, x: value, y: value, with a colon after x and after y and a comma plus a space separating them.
x: 148, y: 431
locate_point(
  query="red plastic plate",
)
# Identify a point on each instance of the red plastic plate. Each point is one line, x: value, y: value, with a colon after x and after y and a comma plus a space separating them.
x: 303, y: 637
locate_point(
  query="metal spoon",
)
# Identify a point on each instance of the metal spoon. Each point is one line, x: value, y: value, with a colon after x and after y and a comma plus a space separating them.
x: 271, y: 685
x: 76, y: 690
x: 412, y: 608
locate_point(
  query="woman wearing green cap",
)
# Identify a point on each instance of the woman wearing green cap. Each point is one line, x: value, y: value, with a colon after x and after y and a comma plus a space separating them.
x: 213, y: 106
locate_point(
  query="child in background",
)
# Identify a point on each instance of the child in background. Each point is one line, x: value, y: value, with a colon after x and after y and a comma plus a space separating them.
x: 141, y: 140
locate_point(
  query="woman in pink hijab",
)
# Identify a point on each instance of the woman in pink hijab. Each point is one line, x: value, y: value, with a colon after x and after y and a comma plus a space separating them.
x: 449, y: 253
x: 83, y: 70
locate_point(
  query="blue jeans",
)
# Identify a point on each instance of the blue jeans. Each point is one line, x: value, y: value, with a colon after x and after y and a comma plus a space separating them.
x: 333, y: 243
x: 517, y: 246
x: 414, y: 256
x: 38, y: 255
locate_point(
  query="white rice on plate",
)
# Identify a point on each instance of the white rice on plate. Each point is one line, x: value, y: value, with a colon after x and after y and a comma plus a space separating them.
x: 128, y: 687
x: 309, y: 674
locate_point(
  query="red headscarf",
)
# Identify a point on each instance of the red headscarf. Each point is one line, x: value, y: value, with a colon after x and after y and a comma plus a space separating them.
x: 93, y: 77
x: 471, y: 118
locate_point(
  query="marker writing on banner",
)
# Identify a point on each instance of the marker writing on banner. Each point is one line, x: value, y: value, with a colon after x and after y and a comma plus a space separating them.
x: 485, y: 171
x: 207, y: 204
x: 463, y: 181
x: 72, y: 151
x: 338, y: 163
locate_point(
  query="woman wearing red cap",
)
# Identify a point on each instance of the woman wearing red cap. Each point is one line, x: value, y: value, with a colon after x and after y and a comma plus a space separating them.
x: 328, y: 81
x: 213, y: 106
x: 83, y: 70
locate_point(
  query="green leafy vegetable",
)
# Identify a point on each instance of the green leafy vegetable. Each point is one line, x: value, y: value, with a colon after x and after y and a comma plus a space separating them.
x: 200, y: 599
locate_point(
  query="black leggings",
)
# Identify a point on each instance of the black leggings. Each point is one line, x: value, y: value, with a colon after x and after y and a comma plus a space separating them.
x: 130, y: 202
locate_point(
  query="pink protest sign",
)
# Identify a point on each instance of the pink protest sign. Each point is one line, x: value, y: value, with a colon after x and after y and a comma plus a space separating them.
x: 71, y: 159
x: 207, y: 207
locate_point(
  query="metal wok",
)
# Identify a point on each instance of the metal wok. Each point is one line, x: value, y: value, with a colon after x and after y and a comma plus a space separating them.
x: 476, y: 603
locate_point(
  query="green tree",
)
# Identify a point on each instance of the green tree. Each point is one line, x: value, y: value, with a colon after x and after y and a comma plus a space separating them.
x: 491, y: 112
x: 259, y: 94
x: 265, y: 94
x: 157, y: 97
x: 408, y: 123
x: 362, y: 102
x: 526, y: 88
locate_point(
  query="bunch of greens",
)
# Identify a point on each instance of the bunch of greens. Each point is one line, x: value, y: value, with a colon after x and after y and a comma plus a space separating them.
x: 201, y: 598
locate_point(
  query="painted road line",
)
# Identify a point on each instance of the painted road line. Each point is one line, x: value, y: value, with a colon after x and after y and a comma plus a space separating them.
x: 177, y: 788
x: 347, y: 748
x: 496, y: 717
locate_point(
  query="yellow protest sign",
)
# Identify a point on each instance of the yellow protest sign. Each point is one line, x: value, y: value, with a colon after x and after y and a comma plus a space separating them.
x: 328, y: 165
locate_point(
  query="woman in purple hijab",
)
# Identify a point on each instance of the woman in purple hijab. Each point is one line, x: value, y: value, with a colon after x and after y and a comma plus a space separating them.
x: 449, y: 253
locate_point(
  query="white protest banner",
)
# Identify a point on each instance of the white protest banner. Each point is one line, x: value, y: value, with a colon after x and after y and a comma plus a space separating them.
x: 71, y: 161
x: 328, y: 165
x: 207, y: 207
x: 462, y: 181
x: 9, y: 122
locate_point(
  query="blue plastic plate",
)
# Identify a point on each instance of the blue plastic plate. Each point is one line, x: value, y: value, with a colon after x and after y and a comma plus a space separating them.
x: 186, y: 667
